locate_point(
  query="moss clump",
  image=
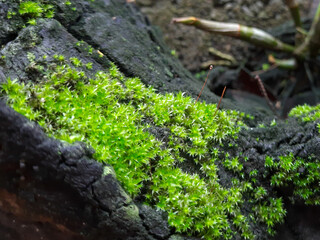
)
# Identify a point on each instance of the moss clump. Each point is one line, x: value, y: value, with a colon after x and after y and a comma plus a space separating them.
x: 303, y: 175
x: 115, y: 114
x: 32, y: 10
x: 306, y: 113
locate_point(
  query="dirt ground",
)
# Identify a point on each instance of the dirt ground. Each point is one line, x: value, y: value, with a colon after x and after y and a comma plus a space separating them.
x: 191, y: 45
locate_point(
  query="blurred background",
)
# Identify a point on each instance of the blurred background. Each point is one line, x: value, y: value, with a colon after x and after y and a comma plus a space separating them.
x: 195, y: 48
x: 192, y: 45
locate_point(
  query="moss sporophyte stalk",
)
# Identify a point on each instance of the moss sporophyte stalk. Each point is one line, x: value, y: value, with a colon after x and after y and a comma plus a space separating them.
x: 116, y: 115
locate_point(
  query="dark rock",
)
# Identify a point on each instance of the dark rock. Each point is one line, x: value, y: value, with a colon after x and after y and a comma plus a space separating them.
x: 154, y: 222
x: 9, y: 25
x: 178, y: 237
x: 302, y: 222
x: 311, y: 148
x: 282, y: 139
x: 61, y: 181
x: 38, y: 44
x: 69, y: 188
x: 221, y: 77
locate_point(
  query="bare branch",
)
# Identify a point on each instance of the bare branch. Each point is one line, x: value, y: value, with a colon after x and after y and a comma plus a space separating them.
x: 248, y: 34
x: 311, y: 43
x: 295, y: 12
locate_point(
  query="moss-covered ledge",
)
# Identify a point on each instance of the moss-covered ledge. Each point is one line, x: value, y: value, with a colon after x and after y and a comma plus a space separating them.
x: 169, y: 151
x: 57, y: 191
x: 223, y: 175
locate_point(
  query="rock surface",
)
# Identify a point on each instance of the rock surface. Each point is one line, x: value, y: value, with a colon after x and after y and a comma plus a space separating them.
x: 49, y: 187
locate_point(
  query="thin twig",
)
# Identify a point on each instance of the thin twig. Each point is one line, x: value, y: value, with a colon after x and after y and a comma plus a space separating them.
x: 222, y: 55
x: 295, y: 11
x: 220, y: 101
x: 249, y: 34
x: 211, y: 67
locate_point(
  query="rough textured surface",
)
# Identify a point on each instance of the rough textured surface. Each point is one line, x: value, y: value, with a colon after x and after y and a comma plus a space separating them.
x: 57, y: 191
x: 301, y: 223
x: 286, y: 137
x: 48, y: 38
x: 62, y: 187
x: 8, y: 29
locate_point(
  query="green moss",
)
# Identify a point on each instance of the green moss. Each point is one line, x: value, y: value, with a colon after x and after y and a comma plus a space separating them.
x: 32, y: 10
x: 271, y: 212
x: 302, y: 174
x: 306, y: 113
x: 273, y: 123
x: 11, y: 14
x: 76, y: 62
x: 115, y: 114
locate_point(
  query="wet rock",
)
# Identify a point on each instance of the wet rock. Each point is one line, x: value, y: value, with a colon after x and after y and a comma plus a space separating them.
x: 39, y: 44
x: 156, y: 223
x: 69, y: 187
x: 10, y: 24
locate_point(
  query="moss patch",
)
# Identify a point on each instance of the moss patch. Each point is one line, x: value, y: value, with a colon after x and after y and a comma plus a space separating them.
x: 31, y: 10
x: 116, y: 116
x: 306, y: 113
x: 302, y: 175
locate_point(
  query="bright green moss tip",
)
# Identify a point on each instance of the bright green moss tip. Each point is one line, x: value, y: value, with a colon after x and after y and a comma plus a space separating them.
x: 31, y: 10
x: 306, y: 113
x: 302, y: 175
x: 115, y: 115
